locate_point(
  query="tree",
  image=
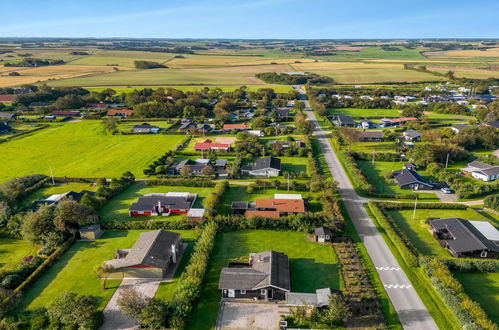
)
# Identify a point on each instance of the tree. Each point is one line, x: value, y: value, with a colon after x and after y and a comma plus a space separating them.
x: 208, y: 170
x: 337, y: 310
x: 39, y: 227
x: 132, y: 303
x: 74, y: 311
x: 110, y: 124
x: 70, y: 215
x: 186, y: 171
x: 102, y: 272
x: 155, y: 315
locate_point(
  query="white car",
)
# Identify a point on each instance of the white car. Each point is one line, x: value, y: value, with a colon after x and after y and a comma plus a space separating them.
x: 446, y: 191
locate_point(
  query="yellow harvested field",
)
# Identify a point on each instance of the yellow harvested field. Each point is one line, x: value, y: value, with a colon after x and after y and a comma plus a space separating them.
x: 191, y: 61
x: 492, y: 52
x: 121, y: 58
x: 49, y: 72
x: 468, y: 72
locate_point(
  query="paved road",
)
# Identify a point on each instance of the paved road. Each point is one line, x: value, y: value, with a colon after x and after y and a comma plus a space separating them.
x: 410, y: 309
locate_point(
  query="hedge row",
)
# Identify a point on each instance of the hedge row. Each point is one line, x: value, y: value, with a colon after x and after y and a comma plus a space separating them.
x: 188, y: 289
x: 65, y: 179
x: 379, y: 156
x: 398, y: 237
x: 151, y: 168
x: 24, y: 133
x: 492, y: 202
x: 358, y: 179
x: 150, y: 224
x: 187, y: 182
x: 211, y: 201
x: 471, y: 265
x: 401, y: 206
x: 468, y: 312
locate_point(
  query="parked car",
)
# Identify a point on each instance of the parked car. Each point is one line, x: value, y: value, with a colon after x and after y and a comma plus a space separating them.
x: 446, y: 190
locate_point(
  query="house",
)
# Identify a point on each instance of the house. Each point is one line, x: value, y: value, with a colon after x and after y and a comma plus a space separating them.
x: 56, y: 198
x: 237, y: 127
x: 204, y: 128
x: 163, y: 204
x: 395, y: 122
x: 90, y: 233
x: 343, y: 121
x: 323, y: 234
x: 65, y: 113
x: 318, y: 299
x: 466, y: 238
x: 208, y: 145
x: 268, y: 167
x: 4, y: 128
x: 369, y: 136
x: 199, y: 164
x: 457, y: 128
x: 287, y: 144
x: 482, y: 171
x: 120, y: 112
x: 408, y: 178
x: 279, y: 206
x: 196, y: 214
x: 282, y: 112
x: 256, y: 132
x: 7, y: 116
x: 411, y: 135
x: 154, y: 254
x: 145, y: 128
x: 366, y: 124
x: 265, y: 276
x: 184, y: 127
x: 494, y: 124
x: 185, y: 121
x: 7, y: 98
x: 100, y: 106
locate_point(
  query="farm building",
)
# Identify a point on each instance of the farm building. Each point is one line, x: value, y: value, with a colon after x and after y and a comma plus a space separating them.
x: 279, y: 206
x: 163, y: 204
x: 268, y: 167
x: 145, y: 128
x: 408, y: 178
x: 482, y: 171
x: 323, y: 234
x: 90, y: 233
x: 120, y: 113
x: 466, y: 238
x: 265, y: 276
x: 153, y: 255
x: 208, y: 145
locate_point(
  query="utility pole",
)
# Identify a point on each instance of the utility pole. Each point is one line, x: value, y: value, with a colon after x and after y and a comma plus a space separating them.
x: 373, y: 156
x: 447, y: 161
x: 415, y: 206
x: 52, y: 175
x: 263, y: 151
x: 288, y: 181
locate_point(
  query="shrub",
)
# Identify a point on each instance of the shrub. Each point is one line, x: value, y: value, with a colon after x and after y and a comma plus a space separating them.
x: 492, y: 202
x: 11, y: 281
x: 212, y: 200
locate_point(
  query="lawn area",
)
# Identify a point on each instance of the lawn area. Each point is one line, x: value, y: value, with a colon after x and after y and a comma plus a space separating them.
x: 375, y: 174
x: 12, y: 251
x: 418, y: 231
x: 117, y: 208
x: 82, y: 149
x: 365, y: 113
x: 484, y: 289
x: 45, y: 192
x: 127, y: 126
x: 250, y: 88
x: 313, y: 266
x: 74, y: 270
x: 238, y: 193
x: 369, y: 147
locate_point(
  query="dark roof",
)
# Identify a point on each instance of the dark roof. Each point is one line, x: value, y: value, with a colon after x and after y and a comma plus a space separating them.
x: 412, y: 133
x: 4, y: 127
x: 493, y: 124
x: 240, y: 205
x: 466, y: 237
x: 460, y: 126
x: 479, y: 165
x: 7, y: 115
x: 370, y: 134
x: 345, y: 119
x: 267, y: 162
x: 147, y: 203
x: 195, y: 166
x: 268, y: 268
x: 282, y: 112
x: 145, y: 125
x: 320, y: 231
x: 406, y: 176
x: 153, y: 248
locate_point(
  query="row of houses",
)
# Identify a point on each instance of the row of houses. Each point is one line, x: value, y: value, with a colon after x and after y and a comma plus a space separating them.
x: 348, y: 121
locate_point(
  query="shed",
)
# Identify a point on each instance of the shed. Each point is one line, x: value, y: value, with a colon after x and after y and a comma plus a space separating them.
x: 196, y: 214
x: 323, y: 234
x: 90, y: 233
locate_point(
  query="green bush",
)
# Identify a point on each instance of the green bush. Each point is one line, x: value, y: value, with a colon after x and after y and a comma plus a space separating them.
x: 492, y: 202
x: 211, y: 201
x: 187, y: 182
x: 471, y: 265
x: 11, y: 281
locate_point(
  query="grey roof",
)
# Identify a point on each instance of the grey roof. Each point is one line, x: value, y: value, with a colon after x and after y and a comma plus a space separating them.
x: 406, y: 176
x: 466, y: 237
x: 318, y: 299
x: 370, y: 134
x: 268, y: 268
x: 152, y: 248
x: 412, y: 133
x: 267, y: 162
x: 147, y: 203
x: 345, y: 119
x: 195, y: 166
x: 460, y: 126
x: 240, y: 205
x: 221, y: 162
x: 145, y: 125
x: 7, y: 115
x: 319, y: 231
x: 493, y: 124
x: 4, y: 127
x: 479, y: 165
x: 491, y: 171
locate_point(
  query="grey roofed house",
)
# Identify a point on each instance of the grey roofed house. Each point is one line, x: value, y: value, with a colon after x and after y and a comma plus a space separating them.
x: 158, y: 203
x: 322, y: 231
x: 4, y: 128
x: 267, y: 162
x: 412, y: 135
x: 459, y: 127
x: 370, y: 135
x: 282, y: 112
x: 410, y: 179
x: 266, y: 275
x: 221, y: 162
x: 464, y: 239
x: 318, y: 299
x: 494, y: 124
x: 342, y: 120
x: 145, y: 127
x: 195, y: 166
x: 150, y: 256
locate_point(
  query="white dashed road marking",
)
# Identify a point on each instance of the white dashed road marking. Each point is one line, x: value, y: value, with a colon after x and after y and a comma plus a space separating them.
x: 388, y: 268
x: 397, y: 286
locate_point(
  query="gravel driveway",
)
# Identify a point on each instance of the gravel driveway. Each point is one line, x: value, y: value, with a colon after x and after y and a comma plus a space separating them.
x: 237, y: 315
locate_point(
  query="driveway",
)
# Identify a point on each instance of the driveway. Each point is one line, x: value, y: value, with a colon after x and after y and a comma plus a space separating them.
x: 240, y: 315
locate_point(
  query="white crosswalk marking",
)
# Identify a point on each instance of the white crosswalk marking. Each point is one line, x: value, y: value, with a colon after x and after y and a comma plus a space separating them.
x: 388, y: 268
x: 397, y: 286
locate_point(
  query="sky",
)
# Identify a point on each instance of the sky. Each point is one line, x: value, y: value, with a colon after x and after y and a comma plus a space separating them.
x: 257, y: 19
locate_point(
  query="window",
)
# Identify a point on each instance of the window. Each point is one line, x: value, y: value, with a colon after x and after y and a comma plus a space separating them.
x: 263, y: 292
x: 483, y: 254
x: 327, y: 237
x: 243, y: 291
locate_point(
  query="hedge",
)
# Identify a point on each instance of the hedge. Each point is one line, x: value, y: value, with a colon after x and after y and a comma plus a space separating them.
x: 399, y: 238
x: 211, y: 201
x: 469, y: 313
x: 150, y: 224
x: 471, y: 265
x: 401, y: 206
x: 492, y: 202
x: 24, y: 133
x: 187, y: 182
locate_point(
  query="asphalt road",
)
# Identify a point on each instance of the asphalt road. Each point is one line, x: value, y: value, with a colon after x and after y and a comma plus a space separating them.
x: 410, y: 309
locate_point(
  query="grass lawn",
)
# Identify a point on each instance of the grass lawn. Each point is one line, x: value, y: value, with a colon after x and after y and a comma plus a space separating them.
x: 418, y: 232
x: 117, y: 208
x: 312, y: 265
x: 375, y: 174
x: 12, y: 251
x: 184, y: 88
x: 238, y: 193
x: 127, y: 126
x: 74, y: 270
x: 484, y: 289
x: 57, y: 189
x: 82, y: 149
x: 365, y: 113
x: 369, y: 147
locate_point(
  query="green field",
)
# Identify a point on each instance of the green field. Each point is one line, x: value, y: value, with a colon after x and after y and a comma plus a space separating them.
x: 418, y: 231
x: 12, y: 251
x: 484, y: 289
x: 251, y: 88
x: 313, y: 266
x: 117, y: 208
x: 365, y: 113
x: 74, y: 270
x: 82, y: 149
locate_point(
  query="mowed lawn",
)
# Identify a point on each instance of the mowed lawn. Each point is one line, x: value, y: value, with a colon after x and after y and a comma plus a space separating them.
x: 117, y: 208
x: 74, y: 270
x: 250, y: 88
x: 45, y: 192
x: 418, y: 232
x: 12, y: 251
x: 365, y: 113
x: 484, y: 289
x: 82, y: 149
x: 313, y: 266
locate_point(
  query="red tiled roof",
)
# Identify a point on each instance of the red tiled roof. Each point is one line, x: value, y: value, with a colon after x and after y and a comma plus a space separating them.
x: 125, y: 112
x: 65, y: 113
x: 7, y: 97
x: 281, y: 204
x: 235, y: 126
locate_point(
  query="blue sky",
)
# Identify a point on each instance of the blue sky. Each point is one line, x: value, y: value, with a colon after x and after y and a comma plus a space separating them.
x: 304, y: 19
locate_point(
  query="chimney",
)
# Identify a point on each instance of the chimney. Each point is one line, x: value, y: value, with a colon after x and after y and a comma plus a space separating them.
x: 174, y: 253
